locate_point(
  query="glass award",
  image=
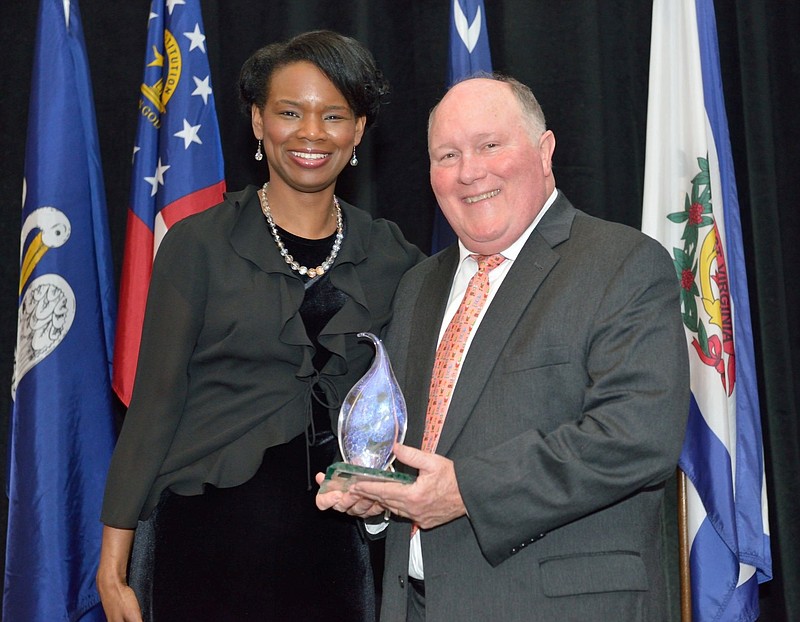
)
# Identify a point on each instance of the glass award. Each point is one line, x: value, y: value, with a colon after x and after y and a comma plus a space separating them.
x: 371, y: 420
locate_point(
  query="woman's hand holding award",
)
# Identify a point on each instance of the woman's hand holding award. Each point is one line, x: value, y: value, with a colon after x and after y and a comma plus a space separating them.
x: 372, y: 419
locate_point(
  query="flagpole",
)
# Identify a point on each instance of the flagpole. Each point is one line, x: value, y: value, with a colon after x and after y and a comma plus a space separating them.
x: 683, y: 549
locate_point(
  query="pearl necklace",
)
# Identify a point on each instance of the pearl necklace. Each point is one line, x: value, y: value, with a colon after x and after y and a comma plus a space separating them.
x: 337, y: 243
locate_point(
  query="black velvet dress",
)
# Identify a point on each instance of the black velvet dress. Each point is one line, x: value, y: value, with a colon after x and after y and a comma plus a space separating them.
x: 261, y: 550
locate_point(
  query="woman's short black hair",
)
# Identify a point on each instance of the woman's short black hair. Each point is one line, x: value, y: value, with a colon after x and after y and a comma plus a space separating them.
x: 347, y: 63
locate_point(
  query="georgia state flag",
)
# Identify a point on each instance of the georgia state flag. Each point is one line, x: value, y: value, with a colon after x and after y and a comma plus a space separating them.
x: 177, y: 161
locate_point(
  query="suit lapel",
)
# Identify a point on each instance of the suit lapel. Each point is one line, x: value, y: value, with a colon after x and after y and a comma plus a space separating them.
x: 535, y: 261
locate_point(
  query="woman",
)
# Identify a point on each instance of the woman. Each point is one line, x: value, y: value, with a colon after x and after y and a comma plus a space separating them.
x: 249, y: 345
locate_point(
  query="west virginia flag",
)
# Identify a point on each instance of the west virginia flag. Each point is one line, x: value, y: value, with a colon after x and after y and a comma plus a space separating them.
x: 469, y: 54
x: 691, y: 206
x: 177, y: 161
x: 62, y: 427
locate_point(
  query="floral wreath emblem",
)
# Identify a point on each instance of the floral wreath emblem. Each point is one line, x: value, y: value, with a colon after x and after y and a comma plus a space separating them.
x: 703, y: 275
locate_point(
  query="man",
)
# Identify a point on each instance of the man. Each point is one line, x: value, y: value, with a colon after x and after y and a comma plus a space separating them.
x: 543, y: 498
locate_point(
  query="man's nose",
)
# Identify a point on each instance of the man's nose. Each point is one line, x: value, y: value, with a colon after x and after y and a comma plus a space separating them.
x: 470, y: 169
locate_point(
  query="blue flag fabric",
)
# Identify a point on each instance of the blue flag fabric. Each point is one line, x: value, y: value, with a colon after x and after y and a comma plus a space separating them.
x: 691, y: 206
x: 62, y: 428
x: 177, y: 162
x: 469, y: 54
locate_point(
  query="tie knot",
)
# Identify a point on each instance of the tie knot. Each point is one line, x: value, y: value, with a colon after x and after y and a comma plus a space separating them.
x: 488, y: 263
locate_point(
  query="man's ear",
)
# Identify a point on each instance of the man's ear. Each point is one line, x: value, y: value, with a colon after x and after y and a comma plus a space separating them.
x: 547, y: 145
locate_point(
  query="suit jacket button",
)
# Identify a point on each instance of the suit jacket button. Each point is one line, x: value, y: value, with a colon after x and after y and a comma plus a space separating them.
x: 402, y: 581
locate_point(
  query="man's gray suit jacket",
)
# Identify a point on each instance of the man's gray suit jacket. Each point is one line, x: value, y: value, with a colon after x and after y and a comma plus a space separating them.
x: 567, y: 418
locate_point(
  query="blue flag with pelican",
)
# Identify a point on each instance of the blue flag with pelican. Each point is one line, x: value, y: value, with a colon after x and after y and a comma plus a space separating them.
x: 62, y: 428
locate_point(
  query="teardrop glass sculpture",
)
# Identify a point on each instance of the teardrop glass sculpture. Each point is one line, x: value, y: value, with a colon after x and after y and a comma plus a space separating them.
x: 373, y: 415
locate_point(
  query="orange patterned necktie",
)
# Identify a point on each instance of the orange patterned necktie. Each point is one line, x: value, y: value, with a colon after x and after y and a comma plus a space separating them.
x: 451, y: 351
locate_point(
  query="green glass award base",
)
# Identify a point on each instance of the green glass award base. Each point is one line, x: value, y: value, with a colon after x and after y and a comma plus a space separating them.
x: 340, y: 475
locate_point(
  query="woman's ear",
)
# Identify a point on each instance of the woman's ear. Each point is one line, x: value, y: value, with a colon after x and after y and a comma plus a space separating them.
x: 257, y: 122
x: 361, y: 125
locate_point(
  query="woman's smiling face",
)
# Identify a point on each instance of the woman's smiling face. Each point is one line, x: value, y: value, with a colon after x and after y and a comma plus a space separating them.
x: 308, y: 128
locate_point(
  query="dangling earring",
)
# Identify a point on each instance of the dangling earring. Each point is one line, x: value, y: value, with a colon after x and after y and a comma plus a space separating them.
x: 354, y: 159
x: 259, y: 155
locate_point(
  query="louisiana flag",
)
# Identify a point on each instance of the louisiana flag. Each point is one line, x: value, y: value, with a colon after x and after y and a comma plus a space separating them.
x: 177, y: 161
x: 691, y: 207
x: 469, y: 54
x: 62, y: 425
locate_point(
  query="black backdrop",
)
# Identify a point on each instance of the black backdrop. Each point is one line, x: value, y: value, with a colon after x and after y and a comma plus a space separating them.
x: 587, y: 61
